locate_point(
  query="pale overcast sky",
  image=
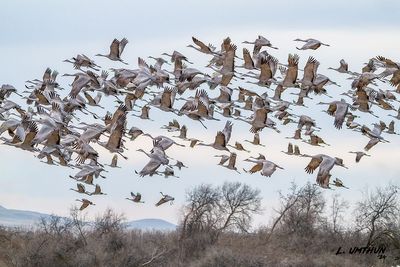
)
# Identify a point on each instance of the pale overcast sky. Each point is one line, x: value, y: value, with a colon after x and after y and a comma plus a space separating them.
x: 40, y: 34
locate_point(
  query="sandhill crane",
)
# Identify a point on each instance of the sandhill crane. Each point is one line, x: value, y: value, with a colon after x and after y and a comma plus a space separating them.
x: 182, y: 133
x: 114, y: 162
x: 157, y: 158
x: 232, y: 162
x: 289, y: 150
x: 338, y: 109
x: 167, y: 172
x: 338, y: 183
x: 116, y: 49
x: 163, y: 142
x: 315, y: 140
x: 359, y: 155
x: 144, y: 113
x: 297, y: 151
x: 23, y: 138
x: 297, y: 135
x: 310, y: 72
x: 172, y: 126
x: 310, y: 44
x: 374, y: 135
x: 325, y: 164
x: 306, y: 121
x: 80, y: 189
x: 292, y: 71
x: 165, y: 199
x: 137, y: 198
x: 97, y: 191
x: 82, y: 61
x: 180, y: 165
x: 224, y: 158
x: 390, y: 129
x: 222, y: 138
x: 259, y: 43
x: 256, y: 140
x: 266, y: 167
x: 85, y: 203
x: 343, y: 68
x: 206, y: 49
x: 6, y: 90
x: 93, y: 101
x: 248, y: 60
x: 114, y: 143
x: 239, y: 146
x: 134, y: 132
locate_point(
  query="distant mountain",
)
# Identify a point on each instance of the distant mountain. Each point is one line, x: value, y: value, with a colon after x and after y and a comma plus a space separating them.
x: 151, y: 224
x: 23, y: 218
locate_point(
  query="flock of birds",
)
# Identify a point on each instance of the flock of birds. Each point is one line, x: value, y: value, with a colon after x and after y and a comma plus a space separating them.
x: 51, y: 126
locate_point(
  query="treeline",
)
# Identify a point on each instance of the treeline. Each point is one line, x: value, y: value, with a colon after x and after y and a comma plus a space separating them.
x: 215, y: 230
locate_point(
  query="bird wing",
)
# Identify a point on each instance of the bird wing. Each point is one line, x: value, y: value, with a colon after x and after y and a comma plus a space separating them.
x: 84, y: 205
x: 81, y: 188
x: 332, y: 108
x: 248, y: 61
x: 122, y: 45
x: 309, y: 71
x: 150, y: 167
x: 227, y: 131
x: 290, y: 148
x: 201, y: 44
x: 32, y: 130
x: 256, y: 168
x: 161, y: 201
x: 268, y: 168
x: 115, y: 139
x: 340, y: 114
x: 114, y: 161
x: 395, y: 80
x: 114, y: 48
x: 220, y: 139
x: 291, y: 73
x: 266, y: 72
x: 313, y: 164
x: 372, y: 142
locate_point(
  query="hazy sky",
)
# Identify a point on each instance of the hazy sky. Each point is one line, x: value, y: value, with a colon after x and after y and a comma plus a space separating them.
x: 40, y: 34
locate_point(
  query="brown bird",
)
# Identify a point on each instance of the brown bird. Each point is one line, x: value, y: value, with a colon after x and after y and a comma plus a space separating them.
x: 165, y: 199
x: 325, y: 164
x: 85, y: 203
x: 80, y: 189
x: 289, y: 150
x: 359, y: 155
x: 137, y: 198
x: 266, y: 167
x: 116, y: 49
x: 97, y: 191
x: 256, y: 140
x: 338, y: 183
x: 222, y: 138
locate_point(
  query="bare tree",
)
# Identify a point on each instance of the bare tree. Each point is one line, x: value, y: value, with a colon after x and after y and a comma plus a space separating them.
x: 337, y: 208
x: 287, y: 202
x: 199, y: 213
x: 109, y: 222
x: 301, y: 210
x: 239, y: 202
x: 216, y: 209
x: 377, y: 210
